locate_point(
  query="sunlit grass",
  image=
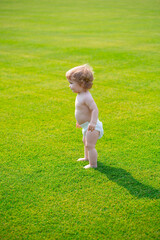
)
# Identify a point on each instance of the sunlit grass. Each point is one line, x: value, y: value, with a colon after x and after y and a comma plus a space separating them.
x: 45, y: 192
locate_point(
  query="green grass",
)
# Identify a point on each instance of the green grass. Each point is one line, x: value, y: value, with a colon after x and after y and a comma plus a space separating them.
x: 45, y: 193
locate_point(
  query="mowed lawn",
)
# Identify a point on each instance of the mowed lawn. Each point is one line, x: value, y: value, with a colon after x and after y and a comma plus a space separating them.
x: 44, y: 192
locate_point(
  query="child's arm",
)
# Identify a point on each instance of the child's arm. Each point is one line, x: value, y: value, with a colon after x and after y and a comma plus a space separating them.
x: 94, y: 112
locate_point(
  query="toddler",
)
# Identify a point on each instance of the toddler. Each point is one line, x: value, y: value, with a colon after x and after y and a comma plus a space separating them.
x: 86, y: 112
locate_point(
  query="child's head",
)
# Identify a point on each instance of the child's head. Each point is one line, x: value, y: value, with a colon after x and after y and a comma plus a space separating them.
x: 83, y: 75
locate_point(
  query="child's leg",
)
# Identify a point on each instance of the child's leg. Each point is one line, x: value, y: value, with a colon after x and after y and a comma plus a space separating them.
x: 85, y: 151
x: 91, y: 139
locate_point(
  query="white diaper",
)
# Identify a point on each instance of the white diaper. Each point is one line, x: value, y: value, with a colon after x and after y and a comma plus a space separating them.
x: 99, y: 127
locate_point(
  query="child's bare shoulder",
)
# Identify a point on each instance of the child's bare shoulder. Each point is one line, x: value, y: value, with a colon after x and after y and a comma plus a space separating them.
x: 88, y: 99
x: 87, y: 95
x: 84, y: 95
x: 85, y: 98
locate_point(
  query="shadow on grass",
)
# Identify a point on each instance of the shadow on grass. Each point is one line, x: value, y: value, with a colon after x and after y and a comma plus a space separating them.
x: 125, y: 179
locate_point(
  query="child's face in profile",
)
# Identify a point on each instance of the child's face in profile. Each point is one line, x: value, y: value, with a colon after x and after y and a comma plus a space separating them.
x: 75, y: 87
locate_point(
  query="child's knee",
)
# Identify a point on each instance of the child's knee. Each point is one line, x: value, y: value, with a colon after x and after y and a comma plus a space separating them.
x: 90, y: 146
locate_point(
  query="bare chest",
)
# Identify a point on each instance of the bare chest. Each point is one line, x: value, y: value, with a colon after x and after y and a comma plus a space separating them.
x: 79, y: 103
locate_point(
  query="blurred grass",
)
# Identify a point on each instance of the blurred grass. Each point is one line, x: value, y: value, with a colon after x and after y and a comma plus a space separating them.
x: 45, y: 193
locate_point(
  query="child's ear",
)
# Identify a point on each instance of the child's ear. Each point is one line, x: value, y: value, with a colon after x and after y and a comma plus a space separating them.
x: 83, y: 85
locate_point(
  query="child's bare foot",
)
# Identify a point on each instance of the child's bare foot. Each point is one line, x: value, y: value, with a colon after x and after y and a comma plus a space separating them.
x: 89, y: 166
x: 82, y: 159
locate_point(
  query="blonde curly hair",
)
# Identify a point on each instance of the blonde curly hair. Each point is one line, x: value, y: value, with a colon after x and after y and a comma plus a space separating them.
x: 83, y: 75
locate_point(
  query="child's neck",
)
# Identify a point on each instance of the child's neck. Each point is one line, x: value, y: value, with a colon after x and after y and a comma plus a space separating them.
x: 82, y: 92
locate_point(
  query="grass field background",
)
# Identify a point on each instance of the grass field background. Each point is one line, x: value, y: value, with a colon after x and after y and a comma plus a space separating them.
x: 45, y: 192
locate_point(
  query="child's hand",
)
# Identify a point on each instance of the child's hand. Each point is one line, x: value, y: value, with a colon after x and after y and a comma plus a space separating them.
x: 77, y: 125
x: 91, y: 127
